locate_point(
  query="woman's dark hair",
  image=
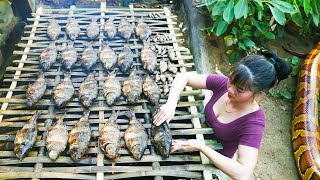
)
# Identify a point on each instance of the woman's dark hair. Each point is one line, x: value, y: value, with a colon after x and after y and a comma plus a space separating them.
x: 259, y: 72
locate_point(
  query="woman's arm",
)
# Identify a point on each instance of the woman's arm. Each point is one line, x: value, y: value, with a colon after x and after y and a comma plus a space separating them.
x: 167, y: 111
x: 240, y: 169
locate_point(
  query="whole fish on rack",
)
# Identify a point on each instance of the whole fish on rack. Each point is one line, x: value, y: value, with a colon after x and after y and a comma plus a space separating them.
x: 112, y: 88
x: 73, y: 29
x: 88, y: 90
x: 125, y: 59
x: 53, y: 29
x: 89, y: 57
x: 110, y: 136
x: 69, y: 56
x: 132, y: 87
x: 48, y: 56
x: 79, y: 138
x: 64, y: 91
x: 57, y: 138
x: 161, y: 136
x: 108, y: 57
x: 93, y: 29
x: 26, y: 137
x: 148, y: 58
x: 135, y: 137
x: 110, y: 29
x: 36, y: 90
x: 125, y: 29
x: 143, y: 30
x: 151, y: 90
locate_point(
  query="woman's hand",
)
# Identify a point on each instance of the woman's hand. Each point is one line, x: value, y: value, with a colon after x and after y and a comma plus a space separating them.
x: 166, y: 113
x: 189, y: 145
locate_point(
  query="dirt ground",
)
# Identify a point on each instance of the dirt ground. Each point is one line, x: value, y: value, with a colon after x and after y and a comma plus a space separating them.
x: 275, y: 157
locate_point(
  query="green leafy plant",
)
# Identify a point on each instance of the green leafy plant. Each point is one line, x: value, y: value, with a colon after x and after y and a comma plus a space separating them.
x: 307, y: 16
x: 245, y: 22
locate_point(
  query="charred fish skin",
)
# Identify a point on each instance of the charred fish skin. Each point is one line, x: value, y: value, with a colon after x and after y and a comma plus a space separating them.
x: 79, y: 138
x: 88, y: 90
x: 54, y: 29
x: 161, y: 138
x: 36, y: 90
x: 73, y: 29
x: 93, y: 29
x: 143, y: 30
x: 132, y: 87
x: 110, y: 29
x: 110, y: 136
x: 64, y: 91
x: 125, y: 29
x: 69, y: 56
x: 26, y: 137
x: 151, y: 90
x: 108, y: 57
x: 89, y: 57
x: 136, y: 137
x: 112, y: 88
x: 57, y: 138
x: 48, y: 56
x: 148, y: 58
x: 125, y: 59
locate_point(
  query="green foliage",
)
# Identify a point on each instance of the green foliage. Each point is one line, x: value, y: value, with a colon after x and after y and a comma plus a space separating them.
x: 307, y: 16
x: 247, y: 21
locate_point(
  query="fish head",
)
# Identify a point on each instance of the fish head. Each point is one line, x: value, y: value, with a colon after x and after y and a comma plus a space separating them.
x: 111, y: 151
x: 75, y: 152
x: 164, y: 149
x: 73, y: 36
x: 154, y: 98
x: 137, y: 151
x: 21, y: 151
x: 53, y: 155
x: 111, y: 97
x: 132, y: 97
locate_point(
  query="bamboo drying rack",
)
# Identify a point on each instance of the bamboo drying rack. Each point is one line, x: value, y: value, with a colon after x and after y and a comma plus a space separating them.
x: 14, y: 111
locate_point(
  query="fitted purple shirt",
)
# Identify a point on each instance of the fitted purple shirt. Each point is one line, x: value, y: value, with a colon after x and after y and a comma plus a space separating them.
x: 246, y: 130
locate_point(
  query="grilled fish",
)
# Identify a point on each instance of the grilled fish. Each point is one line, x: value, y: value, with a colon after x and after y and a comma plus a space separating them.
x: 64, y: 91
x: 151, y: 90
x: 161, y: 138
x: 125, y: 59
x: 26, y: 137
x: 125, y: 28
x: 73, y: 29
x: 93, y: 29
x: 135, y: 137
x: 112, y: 88
x: 148, y: 58
x: 110, y: 29
x: 132, y: 87
x: 36, y: 90
x: 143, y: 30
x: 89, y: 57
x: 88, y: 90
x: 69, y: 56
x: 109, y: 140
x: 108, y: 57
x: 48, y: 56
x: 79, y: 137
x: 54, y: 29
x: 57, y: 138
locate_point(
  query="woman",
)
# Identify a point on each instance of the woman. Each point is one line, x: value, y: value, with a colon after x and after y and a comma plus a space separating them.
x: 233, y: 111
